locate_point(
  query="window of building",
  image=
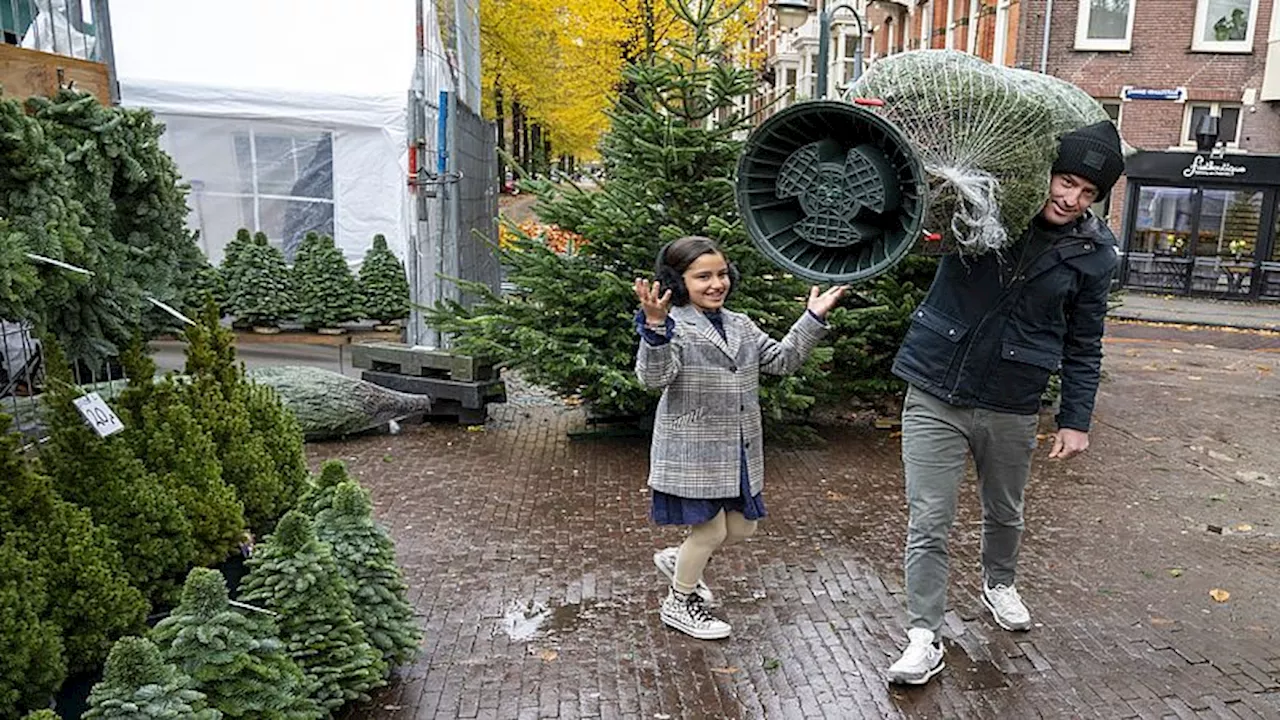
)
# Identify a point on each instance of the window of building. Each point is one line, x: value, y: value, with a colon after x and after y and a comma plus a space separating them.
x: 926, y: 24
x: 1113, y: 108
x: 1225, y: 25
x: 1104, y: 25
x: 1229, y: 117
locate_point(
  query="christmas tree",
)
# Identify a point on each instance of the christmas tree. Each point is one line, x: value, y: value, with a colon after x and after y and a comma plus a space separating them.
x: 31, y: 662
x: 137, y: 684
x: 103, y: 476
x: 384, y: 290
x: 42, y: 715
x: 217, y: 394
x: 367, y: 561
x: 261, y: 291
x: 281, y: 437
x: 207, y: 282
x: 92, y: 603
x: 295, y: 575
x: 318, y: 496
x: 232, y: 268
x: 164, y: 434
x: 671, y: 155
x: 237, y: 662
x: 327, y: 292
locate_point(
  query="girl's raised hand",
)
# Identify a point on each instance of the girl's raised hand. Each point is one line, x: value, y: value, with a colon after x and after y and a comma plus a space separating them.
x: 653, y: 301
x: 821, y: 304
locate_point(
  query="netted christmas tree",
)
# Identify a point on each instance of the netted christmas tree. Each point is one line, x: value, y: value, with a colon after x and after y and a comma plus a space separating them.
x: 295, y: 575
x: 137, y: 684
x: 318, y: 495
x: 384, y: 289
x: 670, y: 155
x: 367, y: 561
x: 236, y: 661
x: 232, y: 268
x: 218, y: 395
x: 164, y: 434
x: 103, y: 476
x: 31, y: 662
x: 93, y: 602
x: 327, y: 291
x: 261, y: 291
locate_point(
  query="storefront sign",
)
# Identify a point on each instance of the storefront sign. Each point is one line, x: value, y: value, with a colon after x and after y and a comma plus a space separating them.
x: 1209, y: 168
x: 1178, y: 94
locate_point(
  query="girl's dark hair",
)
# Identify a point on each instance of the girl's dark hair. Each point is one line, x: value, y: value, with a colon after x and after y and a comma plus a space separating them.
x: 676, y: 256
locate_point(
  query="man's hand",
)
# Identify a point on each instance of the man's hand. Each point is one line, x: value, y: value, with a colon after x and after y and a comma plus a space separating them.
x: 1068, y: 442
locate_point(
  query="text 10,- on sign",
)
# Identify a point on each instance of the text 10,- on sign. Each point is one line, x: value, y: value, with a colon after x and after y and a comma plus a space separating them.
x: 100, y: 417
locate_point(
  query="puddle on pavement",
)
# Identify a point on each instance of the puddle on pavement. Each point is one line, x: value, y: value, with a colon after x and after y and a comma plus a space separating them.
x: 524, y: 621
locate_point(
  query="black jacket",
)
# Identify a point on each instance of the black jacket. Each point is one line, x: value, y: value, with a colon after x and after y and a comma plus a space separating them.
x: 995, y: 326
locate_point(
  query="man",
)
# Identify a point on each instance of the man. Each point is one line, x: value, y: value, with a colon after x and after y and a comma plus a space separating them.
x: 977, y: 359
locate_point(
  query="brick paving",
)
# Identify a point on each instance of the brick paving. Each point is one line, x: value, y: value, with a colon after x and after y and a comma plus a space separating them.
x: 528, y: 555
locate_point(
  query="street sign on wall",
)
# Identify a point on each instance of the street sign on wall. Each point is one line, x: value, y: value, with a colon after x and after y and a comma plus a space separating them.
x: 1178, y: 94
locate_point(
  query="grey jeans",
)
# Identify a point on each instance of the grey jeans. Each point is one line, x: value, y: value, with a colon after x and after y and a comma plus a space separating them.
x: 937, y: 439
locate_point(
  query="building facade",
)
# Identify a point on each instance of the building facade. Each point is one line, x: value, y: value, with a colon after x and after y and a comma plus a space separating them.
x: 1195, y: 215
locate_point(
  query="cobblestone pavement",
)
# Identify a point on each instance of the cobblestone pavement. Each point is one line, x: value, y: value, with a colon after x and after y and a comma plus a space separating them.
x: 528, y: 555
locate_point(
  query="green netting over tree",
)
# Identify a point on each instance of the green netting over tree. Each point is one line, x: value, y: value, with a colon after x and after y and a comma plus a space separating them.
x: 987, y: 136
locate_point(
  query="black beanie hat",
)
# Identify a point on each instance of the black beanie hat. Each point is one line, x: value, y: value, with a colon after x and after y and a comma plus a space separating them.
x: 1092, y: 152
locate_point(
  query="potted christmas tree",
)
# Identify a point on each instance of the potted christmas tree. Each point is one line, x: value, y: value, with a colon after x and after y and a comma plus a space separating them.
x: 31, y: 662
x: 295, y: 575
x: 327, y: 292
x: 261, y: 293
x: 164, y: 434
x: 318, y: 496
x: 384, y: 290
x: 93, y: 603
x: 103, y: 476
x: 367, y: 561
x: 137, y: 684
x: 237, y: 662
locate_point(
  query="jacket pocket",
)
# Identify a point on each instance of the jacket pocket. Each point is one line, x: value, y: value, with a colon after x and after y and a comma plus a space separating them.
x: 931, y: 344
x: 1023, y: 373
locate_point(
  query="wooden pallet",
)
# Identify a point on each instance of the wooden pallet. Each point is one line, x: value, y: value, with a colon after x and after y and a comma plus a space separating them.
x: 401, y: 359
x: 449, y: 398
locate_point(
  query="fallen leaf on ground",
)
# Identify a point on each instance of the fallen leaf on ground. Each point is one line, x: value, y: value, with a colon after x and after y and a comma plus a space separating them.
x: 1175, y: 572
x: 1176, y: 351
x: 1221, y: 456
x: 1161, y: 622
x: 725, y: 670
x: 1194, y: 377
x: 544, y: 654
x: 475, y: 428
x: 1220, y: 595
x: 1264, y: 368
x: 1152, y: 439
x: 835, y: 496
x: 1243, y: 527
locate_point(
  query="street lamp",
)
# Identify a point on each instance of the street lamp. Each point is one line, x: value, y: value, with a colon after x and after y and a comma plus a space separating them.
x: 793, y: 13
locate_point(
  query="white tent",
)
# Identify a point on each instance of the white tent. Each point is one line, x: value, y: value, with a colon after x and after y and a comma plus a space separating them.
x: 285, y: 116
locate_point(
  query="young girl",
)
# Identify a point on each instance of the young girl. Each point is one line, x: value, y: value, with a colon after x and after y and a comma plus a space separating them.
x: 707, y: 463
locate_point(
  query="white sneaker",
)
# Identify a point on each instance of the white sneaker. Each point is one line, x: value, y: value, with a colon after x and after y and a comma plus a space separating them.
x: 689, y: 615
x: 1006, y: 607
x: 665, y: 559
x: 920, y: 661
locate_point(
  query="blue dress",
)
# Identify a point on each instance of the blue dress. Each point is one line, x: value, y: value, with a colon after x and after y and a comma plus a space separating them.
x: 668, y: 509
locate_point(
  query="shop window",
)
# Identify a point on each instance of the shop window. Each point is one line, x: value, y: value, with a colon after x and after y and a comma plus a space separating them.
x: 1158, y: 253
x: 1269, y: 275
x: 1229, y: 117
x: 1104, y: 25
x: 1223, y: 254
x: 1225, y: 26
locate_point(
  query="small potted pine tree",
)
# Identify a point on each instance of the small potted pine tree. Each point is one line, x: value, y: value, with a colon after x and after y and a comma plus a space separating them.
x: 366, y: 559
x: 327, y: 291
x: 31, y: 662
x: 384, y: 289
x: 237, y: 661
x: 137, y: 684
x: 260, y: 294
x: 294, y: 574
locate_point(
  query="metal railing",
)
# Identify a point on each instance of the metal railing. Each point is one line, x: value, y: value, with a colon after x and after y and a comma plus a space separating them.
x: 78, y: 29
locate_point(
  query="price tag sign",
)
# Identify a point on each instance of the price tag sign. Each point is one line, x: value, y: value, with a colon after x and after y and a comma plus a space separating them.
x: 100, y: 417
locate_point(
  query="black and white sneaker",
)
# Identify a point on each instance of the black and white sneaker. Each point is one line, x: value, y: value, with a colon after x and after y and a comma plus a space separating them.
x: 689, y: 615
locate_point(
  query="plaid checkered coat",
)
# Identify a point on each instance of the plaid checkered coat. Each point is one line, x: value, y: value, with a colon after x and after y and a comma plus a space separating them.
x: 710, y: 407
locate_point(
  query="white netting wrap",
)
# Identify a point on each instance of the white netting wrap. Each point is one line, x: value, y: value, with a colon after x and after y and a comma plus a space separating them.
x: 987, y: 137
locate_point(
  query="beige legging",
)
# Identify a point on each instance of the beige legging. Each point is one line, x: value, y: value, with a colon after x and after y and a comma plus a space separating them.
x: 725, y: 528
